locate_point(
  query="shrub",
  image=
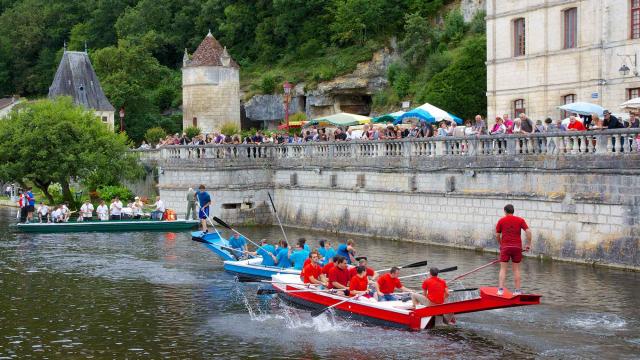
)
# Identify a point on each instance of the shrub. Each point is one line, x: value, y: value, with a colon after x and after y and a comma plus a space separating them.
x: 229, y: 129
x: 107, y: 193
x: 154, y: 135
x: 192, y: 131
x: 299, y: 116
x: 267, y: 84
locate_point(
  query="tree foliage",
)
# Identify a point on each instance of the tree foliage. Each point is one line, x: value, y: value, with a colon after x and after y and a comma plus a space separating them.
x: 48, y: 142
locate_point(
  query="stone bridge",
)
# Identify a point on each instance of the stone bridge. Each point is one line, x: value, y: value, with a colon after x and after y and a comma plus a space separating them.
x: 579, y: 191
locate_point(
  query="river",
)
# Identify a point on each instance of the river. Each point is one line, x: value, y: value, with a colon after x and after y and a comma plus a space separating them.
x: 160, y: 295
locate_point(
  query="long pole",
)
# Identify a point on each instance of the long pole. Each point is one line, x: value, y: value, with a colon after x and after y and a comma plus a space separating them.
x: 286, y: 110
x: 278, y: 217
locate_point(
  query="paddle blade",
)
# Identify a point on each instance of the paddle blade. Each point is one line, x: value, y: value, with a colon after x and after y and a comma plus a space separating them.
x: 449, y: 269
x: 316, y: 313
x: 468, y: 289
x: 414, y: 265
x: 222, y: 223
x: 267, y: 291
x: 271, y: 200
x: 200, y: 240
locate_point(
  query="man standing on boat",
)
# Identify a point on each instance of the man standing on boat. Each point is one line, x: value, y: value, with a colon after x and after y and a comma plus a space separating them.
x: 191, y: 204
x: 347, y: 251
x: 102, y: 211
x: 204, y: 201
x: 31, y: 204
x: 116, y: 209
x: 508, y: 230
x: 86, y: 211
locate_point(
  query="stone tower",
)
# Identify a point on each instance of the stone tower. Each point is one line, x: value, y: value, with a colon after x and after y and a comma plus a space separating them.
x: 210, y: 87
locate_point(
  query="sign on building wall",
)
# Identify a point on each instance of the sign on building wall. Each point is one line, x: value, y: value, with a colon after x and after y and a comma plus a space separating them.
x: 594, y: 95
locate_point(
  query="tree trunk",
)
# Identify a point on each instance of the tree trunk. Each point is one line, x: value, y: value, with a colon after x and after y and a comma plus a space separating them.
x: 44, y: 186
x: 67, y: 195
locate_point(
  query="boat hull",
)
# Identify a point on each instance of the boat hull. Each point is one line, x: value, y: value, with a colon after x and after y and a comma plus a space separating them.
x: 252, y: 269
x: 107, y: 226
x: 397, y: 313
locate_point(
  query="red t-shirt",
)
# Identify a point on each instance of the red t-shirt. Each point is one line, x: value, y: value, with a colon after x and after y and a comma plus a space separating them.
x: 359, y: 283
x: 577, y: 125
x: 309, y: 270
x: 338, y: 275
x: 353, y: 272
x: 510, y: 227
x: 436, y: 288
x: 327, y: 268
x: 306, y: 262
x: 387, y: 284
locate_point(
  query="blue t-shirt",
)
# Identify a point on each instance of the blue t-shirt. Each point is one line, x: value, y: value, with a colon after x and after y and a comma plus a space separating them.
x: 238, y: 243
x: 32, y: 201
x: 203, y: 198
x: 342, y: 251
x: 327, y: 254
x: 282, y: 258
x: 265, y: 251
x: 298, y: 258
x: 307, y: 248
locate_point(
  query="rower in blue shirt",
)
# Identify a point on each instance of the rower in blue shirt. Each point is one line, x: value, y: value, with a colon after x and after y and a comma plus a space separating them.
x: 204, y: 200
x: 300, y: 255
x: 326, y: 251
x: 282, y: 259
x: 304, y: 244
x: 348, y: 251
x: 239, y: 244
x: 267, y: 252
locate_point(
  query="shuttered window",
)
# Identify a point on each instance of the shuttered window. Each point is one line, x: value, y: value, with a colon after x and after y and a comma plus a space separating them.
x: 635, y: 19
x: 519, y: 37
x: 571, y: 28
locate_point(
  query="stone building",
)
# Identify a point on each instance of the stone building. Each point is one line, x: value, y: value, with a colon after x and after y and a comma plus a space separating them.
x: 210, y: 87
x: 76, y: 78
x: 542, y: 54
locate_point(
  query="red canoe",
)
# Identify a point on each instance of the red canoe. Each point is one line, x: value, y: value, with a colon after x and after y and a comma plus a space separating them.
x: 397, y: 313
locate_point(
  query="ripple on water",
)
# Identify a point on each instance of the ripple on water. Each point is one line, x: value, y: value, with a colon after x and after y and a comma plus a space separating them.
x: 596, y: 321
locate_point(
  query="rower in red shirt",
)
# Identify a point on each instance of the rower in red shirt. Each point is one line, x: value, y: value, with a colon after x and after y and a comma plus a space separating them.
x: 312, y: 272
x: 435, y: 291
x: 362, y: 261
x: 339, y: 275
x: 508, y: 230
x: 388, y: 283
x: 359, y: 283
x: 329, y: 266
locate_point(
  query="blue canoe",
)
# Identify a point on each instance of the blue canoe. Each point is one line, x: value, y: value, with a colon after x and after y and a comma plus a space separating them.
x: 251, y: 269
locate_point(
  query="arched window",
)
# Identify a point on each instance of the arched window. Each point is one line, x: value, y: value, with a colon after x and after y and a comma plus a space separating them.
x: 571, y: 28
x: 518, y: 108
x: 567, y: 99
x: 518, y: 37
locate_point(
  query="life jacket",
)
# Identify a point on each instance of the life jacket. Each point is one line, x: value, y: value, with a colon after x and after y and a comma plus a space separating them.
x: 170, y: 215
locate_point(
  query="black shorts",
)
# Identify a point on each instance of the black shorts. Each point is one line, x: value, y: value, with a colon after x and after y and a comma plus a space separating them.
x: 30, y: 208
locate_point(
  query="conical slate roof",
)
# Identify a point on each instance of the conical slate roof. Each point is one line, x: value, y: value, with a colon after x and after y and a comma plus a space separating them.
x: 76, y: 78
x: 210, y: 53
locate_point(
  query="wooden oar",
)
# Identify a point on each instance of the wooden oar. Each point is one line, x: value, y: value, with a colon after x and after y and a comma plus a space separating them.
x: 453, y: 268
x: 408, y: 266
x: 467, y: 289
x: 277, y: 217
x: 274, y: 291
x: 317, y: 313
x: 476, y: 269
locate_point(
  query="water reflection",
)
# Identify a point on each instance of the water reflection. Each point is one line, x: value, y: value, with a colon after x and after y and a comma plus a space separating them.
x: 160, y: 295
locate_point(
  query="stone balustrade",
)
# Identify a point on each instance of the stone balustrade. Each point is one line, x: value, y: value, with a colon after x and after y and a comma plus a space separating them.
x: 605, y: 142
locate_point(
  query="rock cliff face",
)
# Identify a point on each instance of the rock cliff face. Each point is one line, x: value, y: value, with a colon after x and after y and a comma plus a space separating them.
x: 347, y: 93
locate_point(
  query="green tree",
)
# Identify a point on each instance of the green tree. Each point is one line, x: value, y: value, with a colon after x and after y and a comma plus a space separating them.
x: 418, y: 40
x: 460, y: 88
x: 50, y: 142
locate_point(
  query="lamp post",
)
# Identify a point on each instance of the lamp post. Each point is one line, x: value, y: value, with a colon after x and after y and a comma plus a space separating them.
x: 287, y: 98
x: 121, y: 119
x: 624, y: 69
